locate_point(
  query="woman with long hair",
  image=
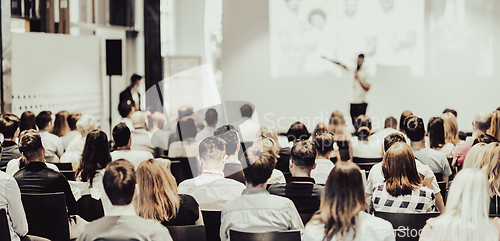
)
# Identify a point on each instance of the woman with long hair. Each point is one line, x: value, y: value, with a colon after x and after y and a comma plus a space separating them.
x: 495, y: 125
x: 341, y: 134
x: 341, y: 215
x: 27, y: 121
x: 466, y: 215
x: 437, y: 140
x: 363, y: 144
x: 61, y: 127
x: 450, y: 128
x: 402, y: 184
x: 159, y: 200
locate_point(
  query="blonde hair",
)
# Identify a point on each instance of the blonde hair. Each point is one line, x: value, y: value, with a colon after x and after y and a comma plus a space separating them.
x: 495, y: 125
x: 85, y: 124
x: 158, y: 199
x: 337, y: 126
x: 271, y: 133
x: 450, y: 128
x: 487, y: 158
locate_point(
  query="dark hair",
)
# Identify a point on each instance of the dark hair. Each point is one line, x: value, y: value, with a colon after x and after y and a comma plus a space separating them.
x: 121, y: 134
x: 95, y: 156
x: 324, y: 142
x: 361, y: 56
x: 363, y: 127
x: 61, y: 127
x: 27, y: 121
x: 304, y: 154
x: 9, y: 124
x: 72, y: 119
x: 186, y: 128
x: 297, y: 131
x: 498, y: 108
x: 134, y: 79
x: 125, y: 108
x: 435, y: 127
x: 229, y: 134
x: 211, y: 117
x: 415, y: 128
x: 484, y: 138
x: 454, y: 112
x: 400, y: 170
x: 261, y: 166
x: 184, y: 111
x: 210, y: 146
x: 119, y: 182
x: 246, y: 111
x: 43, y: 119
x: 316, y: 12
x: 402, y: 123
x: 30, y: 144
x: 390, y: 122
x: 393, y: 138
x: 462, y: 135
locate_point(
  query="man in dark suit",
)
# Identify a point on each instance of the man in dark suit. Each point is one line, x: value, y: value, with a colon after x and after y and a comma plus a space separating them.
x: 131, y: 93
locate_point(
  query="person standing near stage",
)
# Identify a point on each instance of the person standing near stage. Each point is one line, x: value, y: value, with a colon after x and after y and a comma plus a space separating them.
x: 131, y: 93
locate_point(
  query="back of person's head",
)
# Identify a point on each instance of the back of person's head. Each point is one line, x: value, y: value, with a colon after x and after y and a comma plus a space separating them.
x: 415, y: 129
x: 61, y: 127
x: 402, y: 123
x: 121, y: 135
x: 229, y: 134
x: 9, y: 124
x: 271, y: 133
x: 134, y: 79
x: 484, y: 138
x: 185, y: 110
x: 451, y: 111
x: 393, y: 138
x: 27, y: 121
x: 400, y: 170
x: 139, y: 120
x: 336, y: 124
x: 487, y: 158
x: 324, y: 142
x: 95, y: 156
x: 390, y: 122
x: 297, y: 131
x: 363, y: 127
x: 159, y: 199
x: 85, y: 124
x: 246, y: 111
x: 263, y: 144
x: 30, y: 145
x: 119, y: 182
x: 495, y: 125
x: 158, y: 119
x: 211, y: 117
x: 342, y: 200
x: 186, y: 128
x: 482, y: 121
x: 320, y: 127
x: 435, y: 127
x: 212, y: 149
x: 261, y: 164
x: 43, y: 119
x: 450, y: 128
x: 304, y: 154
x: 125, y: 108
x: 73, y: 119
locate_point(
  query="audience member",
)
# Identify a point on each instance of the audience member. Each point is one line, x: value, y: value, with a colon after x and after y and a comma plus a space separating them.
x: 123, y: 140
x: 131, y: 94
x: 495, y: 125
x: 451, y: 133
x: 210, y: 189
x: 364, y: 145
x: 402, y: 123
x: 159, y: 200
x: 10, y: 201
x: 390, y: 125
x: 27, y: 121
x: 297, y: 131
x: 466, y: 214
x: 232, y: 166
x: 435, y: 128
x: 250, y: 127
x: 277, y: 176
x: 122, y: 223
x: 403, y: 190
x: 184, y: 111
x: 140, y: 137
x: 341, y: 134
x: 10, y: 130
x: 320, y: 128
x: 187, y: 146
x: 159, y: 132
x: 75, y: 148
x: 484, y: 138
x: 211, y: 119
x: 61, y: 127
x: 301, y: 188
x: 324, y: 142
x: 436, y: 160
x: 481, y: 123
x: 256, y: 210
x: 74, y: 133
x: 126, y: 110
x: 451, y: 111
x: 52, y: 143
x: 268, y: 145
x: 341, y: 215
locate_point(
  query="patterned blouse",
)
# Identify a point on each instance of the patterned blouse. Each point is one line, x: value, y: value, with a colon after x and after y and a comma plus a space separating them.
x: 421, y: 200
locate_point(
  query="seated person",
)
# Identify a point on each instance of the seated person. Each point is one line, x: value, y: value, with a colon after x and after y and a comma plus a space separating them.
x: 211, y: 118
x: 403, y: 190
x: 74, y: 133
x: 123, y: 140
x: 437, y: 141
x: 232, y: 166
x: 140, y: 136
x: 302, y: 189
x: 297, y: 131
x: 52, y: 143
x: 480, y: 125
x: 364, y: 145
x: 256, y: 210
x: 10, y: 131
x: 277, y: 176
x: 74, y: 150
x: 210, y: 189
x: 122, y: 223
x: 126, y: 109
x: 159, y: 131
x: 10, y: 200
x: 342, y: 215
x: 187, y: 146
x: 324, y: 142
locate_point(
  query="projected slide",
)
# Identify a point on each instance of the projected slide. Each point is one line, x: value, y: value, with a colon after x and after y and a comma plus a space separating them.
x: 387, y: 32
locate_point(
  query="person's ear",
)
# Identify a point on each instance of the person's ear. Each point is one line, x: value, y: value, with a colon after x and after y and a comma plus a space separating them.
x: 291, y: 163
x: 238, y: 147
x: 129, y: 141
x: 314, y: 166
x: 201, y: 161
x: 16, y: 134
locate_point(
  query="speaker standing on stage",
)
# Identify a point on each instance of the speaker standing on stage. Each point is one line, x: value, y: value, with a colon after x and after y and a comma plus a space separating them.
x: 363, y: 75
x: 131, y: 93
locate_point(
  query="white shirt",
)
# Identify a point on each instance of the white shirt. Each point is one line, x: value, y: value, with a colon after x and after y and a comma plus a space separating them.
x: 97, y: 192
x: 211, y: 190
x: 141, y: 141
x: 133, y: 156
x: 249, y: 130
x: 276, y: 177
x: 365, y: 73
x: 160, y: 139
x: 13, y: 166
x: 370, y: 228
x: 322, y: 170
x: 10, y: 200
x: 69, y: 137
x: 206, y: 132
x: 74, y: 151
x: 187, y: 148
x: 129, y: 123
x: 371, y: 148
x: 52, y: 144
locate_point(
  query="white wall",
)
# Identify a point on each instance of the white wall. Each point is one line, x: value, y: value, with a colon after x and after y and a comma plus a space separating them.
x: 281, y: 101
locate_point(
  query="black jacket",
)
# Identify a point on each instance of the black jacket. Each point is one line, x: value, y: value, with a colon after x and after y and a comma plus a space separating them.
x: 126, y: 95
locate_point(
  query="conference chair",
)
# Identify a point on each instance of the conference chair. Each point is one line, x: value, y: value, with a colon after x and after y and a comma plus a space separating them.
x: 89, y: 208
x: 46, y: 215
x: 289, y: 235
x: 212, y: 224
x: 366, y: 163
x: 4, y: 226
x: 64, y: 166
x: 181, y: 169
x: 283, y: 163
x: 408, y: 226
x: 69, y: 175
x: 187, y: 233
x: 442, y: 185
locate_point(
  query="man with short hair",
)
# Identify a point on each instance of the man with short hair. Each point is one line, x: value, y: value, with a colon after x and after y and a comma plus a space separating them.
x: 123, y: 140
x: 10, y: 131
x: 324, y: 142
x: 126, y: 110
x: 250, y: 127
x: 481, y: 123
x: 210, y: 189
x: 390, y: 126
x: 131, y: 94
x: 256, y: 210
x: 211, y: 117
x: 301, y: 189
x: 232, y: 165
x: 73, y: 134
x: 52, y: 143
x: 140, y: 136
x: 122, y: 223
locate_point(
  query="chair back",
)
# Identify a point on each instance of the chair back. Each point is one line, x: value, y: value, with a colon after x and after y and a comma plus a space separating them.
x: 182, y: 169
x: 46, y: 215
x: 64, y: 166
x: 283, y: 163
x: 366, y: 163
x: 289, y: 235
x: 187, y: 233
x: 89, y: 208
x: 212, y: 224
x: 404, y: 223
x: 4, y: 226
x: 306, y: 217
x: 69, y: 175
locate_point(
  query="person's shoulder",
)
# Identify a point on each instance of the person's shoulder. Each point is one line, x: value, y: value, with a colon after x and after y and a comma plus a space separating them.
x: 366, y: 220
x: 188, y: 200
x: 232, y: 182
x: 277, y: 188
